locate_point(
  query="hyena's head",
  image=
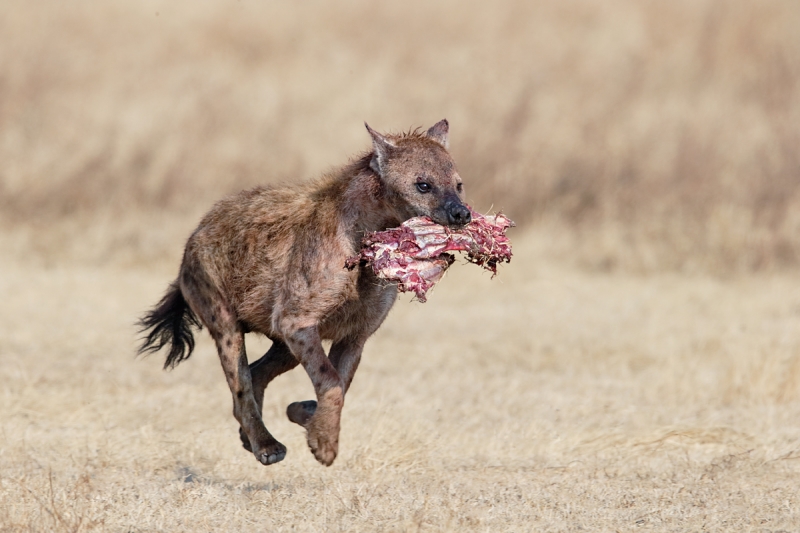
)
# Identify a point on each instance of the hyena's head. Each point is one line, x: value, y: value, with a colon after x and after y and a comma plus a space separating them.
x: 420, y: 176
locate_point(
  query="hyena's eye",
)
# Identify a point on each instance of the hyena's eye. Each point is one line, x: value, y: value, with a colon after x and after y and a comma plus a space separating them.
x: 424, y: 187
x: 460, y: 187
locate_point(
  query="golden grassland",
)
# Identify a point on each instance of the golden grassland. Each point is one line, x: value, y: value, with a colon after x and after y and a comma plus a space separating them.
x: 547, y: 399
x: 636, y: 367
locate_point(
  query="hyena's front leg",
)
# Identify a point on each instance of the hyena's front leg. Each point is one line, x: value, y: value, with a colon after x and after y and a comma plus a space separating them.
x: 323, y: 427
x: 345, y: 356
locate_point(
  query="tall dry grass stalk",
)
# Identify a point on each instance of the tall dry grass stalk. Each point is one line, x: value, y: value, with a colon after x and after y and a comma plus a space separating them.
x: 646, y: 135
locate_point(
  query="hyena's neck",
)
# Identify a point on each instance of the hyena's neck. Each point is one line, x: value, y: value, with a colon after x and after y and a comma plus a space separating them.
x: 364, y: 205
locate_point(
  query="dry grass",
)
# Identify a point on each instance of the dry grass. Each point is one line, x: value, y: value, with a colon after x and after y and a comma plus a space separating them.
x: 593, y: 385
x: 554, y: 400
x: 662, y: 135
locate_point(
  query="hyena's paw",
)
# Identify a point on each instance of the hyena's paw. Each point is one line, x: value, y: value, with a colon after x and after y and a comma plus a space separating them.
x: 323, y: 427
x: 269, y: 453
x: 323, y: 444
x: 301, y: 412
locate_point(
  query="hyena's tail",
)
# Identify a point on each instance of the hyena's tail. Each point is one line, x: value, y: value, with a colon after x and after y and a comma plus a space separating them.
x: 169, y: 322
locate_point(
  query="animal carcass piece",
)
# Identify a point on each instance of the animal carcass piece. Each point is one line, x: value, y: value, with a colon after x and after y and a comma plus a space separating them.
x: 415, y: 255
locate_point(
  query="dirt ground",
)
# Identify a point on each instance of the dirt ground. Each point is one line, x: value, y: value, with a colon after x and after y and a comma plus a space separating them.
x: 547, y: 399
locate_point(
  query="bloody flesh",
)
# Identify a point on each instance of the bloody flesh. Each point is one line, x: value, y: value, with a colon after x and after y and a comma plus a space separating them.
x: 416, y: 255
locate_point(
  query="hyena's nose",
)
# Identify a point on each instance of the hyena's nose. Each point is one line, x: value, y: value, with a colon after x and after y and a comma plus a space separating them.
x: 457, y: 214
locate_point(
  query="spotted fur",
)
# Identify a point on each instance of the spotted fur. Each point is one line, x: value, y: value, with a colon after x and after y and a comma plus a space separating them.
x: 271, y: 260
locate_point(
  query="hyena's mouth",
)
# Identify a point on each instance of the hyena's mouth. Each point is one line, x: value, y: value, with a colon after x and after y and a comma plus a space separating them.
x: 454, y: 216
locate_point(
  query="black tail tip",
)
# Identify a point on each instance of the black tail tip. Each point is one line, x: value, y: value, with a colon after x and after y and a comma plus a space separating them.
x: 170, y: 322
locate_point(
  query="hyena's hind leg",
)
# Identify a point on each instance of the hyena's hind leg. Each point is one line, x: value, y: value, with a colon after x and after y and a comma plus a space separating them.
x: 276, y: 361
x: 219, y: 318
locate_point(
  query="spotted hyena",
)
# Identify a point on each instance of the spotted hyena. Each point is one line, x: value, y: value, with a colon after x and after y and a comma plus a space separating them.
x: 271, y: 260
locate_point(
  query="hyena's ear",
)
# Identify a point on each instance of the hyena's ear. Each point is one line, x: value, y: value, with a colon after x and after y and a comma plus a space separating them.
x: 438, y: 132
x: 383, y: 148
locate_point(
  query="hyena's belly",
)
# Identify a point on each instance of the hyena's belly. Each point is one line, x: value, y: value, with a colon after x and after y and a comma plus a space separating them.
x: 360, y: 317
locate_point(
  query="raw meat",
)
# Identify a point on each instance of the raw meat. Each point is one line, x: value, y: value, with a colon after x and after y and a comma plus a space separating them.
x: 415, y: 255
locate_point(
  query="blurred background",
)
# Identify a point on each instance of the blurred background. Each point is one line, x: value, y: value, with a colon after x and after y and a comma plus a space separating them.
x: 620, y: 135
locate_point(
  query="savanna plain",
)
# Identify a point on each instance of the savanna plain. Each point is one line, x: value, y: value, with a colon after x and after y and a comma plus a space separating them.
x: 635, y: 367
